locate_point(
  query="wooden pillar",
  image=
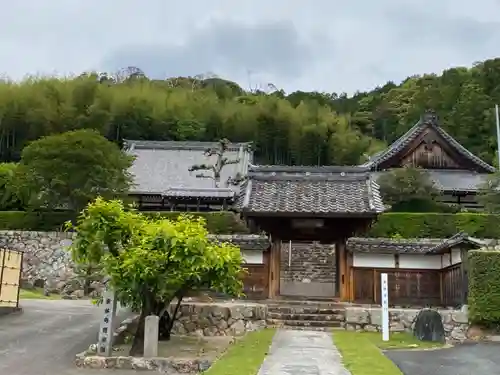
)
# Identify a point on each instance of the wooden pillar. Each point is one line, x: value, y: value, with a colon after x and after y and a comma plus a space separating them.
x: 274, y: 268
x: 343, y: 271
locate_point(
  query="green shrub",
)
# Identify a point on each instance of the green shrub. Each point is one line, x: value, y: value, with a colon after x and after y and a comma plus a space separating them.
x: 217, y: 222
x: 435, y: 225
x: 484, y: 287
x: 223, y: 222
x: 36, y: 221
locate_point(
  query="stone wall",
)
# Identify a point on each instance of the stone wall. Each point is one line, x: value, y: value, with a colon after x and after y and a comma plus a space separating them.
x: 310, y: 271
x: 46, y: 261
x: 219, y: 319
x: 237, y: 318
x: 455, y: 322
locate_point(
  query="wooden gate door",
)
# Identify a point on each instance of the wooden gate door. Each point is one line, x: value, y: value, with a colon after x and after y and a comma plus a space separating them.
x: 10, y: 277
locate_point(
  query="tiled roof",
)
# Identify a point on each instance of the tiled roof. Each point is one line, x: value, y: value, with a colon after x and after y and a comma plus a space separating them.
x: 452, y: 180
x: 428, y: 120
x: 458, y: 239
x: 325, y: 191
x: 391, y: 245
x: 162, y: 167
x: 244, y: 241
x: 410, y: 246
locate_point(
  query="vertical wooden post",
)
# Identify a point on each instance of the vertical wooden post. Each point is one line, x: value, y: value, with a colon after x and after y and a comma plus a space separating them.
x: 441, y: 290
x: 274, y: 268
x: 464, y: 282
x: 344, y: 282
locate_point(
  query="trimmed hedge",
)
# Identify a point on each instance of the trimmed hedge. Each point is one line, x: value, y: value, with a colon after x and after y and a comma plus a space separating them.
x: 435, y: 225
x: 217, y: 222
x: 37, y: 221
x: 392, y: 224
x: 223, y: 222
x: 484, y: 287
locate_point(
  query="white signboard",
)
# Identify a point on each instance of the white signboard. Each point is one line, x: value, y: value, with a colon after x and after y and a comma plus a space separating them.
x: 385, y: 307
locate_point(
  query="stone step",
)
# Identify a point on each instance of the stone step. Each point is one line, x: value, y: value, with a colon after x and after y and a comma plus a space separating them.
x: 316, y: 329
x: 308, y: 310
x: 309, y: 317
x: 304, y: 323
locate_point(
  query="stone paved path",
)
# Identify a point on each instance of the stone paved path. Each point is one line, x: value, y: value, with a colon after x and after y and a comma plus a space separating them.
x: 303, y: 353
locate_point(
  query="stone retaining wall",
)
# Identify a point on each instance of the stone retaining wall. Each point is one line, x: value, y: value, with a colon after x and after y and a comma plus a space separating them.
x: 219, y: 319
x: 46, y: 261
x: 370, y: 319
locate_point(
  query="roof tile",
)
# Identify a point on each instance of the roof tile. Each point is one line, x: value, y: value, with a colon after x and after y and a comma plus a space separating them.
x: 310, y: 190
x: 162, y: 167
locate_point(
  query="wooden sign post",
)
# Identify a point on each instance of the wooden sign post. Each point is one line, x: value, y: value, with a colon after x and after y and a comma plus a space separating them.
x: 385, y: 307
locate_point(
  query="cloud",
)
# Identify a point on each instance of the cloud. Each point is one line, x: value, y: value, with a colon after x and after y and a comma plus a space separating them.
x: 274, y: 49
x: 323, y: 45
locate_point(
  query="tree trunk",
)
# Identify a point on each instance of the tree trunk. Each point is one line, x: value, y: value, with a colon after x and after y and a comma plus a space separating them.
x: 172, y: 319
x: 148, y: 308
x: 138, y: 343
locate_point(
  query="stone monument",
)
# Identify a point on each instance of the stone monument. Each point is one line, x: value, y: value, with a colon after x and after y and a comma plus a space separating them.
x: 429, y: 326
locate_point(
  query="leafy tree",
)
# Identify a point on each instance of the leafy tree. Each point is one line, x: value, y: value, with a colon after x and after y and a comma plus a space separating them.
x: 489, y: 195
x: 214, y: 170
x: 69, y: 170
x: 151, y: 262
x: 9, y: 199
x: 408, y: 189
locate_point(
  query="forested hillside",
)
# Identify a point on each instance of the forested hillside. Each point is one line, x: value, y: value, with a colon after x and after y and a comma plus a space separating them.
x: 294, y: 128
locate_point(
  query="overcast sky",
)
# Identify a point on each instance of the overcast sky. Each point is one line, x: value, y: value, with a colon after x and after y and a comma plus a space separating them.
x: 324, y: 45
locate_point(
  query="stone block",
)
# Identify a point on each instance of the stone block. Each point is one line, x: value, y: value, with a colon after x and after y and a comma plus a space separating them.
x: 357, y: 315
x: 151, y: 336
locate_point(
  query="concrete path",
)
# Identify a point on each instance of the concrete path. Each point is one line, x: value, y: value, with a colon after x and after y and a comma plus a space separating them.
x: 465, y: 359
x: 44, y: 339
x: 303, y: 353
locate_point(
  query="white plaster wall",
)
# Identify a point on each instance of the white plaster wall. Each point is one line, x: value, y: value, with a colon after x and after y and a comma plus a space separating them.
x: 253, y: 256
x: 420, y: 261
x: 445, y: 260
x: 456, y: 256
x: 373, y: 260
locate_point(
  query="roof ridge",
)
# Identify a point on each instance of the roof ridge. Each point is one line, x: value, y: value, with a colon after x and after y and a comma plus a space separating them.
x: 429, y: 118
x: 178, y: 145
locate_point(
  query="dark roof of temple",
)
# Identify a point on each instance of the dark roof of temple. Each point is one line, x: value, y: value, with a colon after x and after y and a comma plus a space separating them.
x: 453, y: 179
x: 458, y: 239
x: 392, y: 245
x: 428, y: 120
x: 410, y: 246
x: 304, y: 190
x: 161, y: 167
x: 244, y: 241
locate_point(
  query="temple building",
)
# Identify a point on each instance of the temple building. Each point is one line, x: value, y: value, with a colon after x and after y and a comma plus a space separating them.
x: 456, y: 172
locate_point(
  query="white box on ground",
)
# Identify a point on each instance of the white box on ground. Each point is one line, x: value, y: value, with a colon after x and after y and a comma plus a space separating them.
x: 385, y: 306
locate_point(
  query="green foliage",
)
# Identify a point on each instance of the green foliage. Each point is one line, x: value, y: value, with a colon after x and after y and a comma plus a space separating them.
x: 408, y: 189
x: 435, y: 225
x: 34, y: 220
x: 70, y: 169
x: 151, y: 261
x: 484, y: 287
x: 296, y: 128
x: 176, y: 109
x: 489, y: 196
x: 9, y: 197
x: 222, y: 222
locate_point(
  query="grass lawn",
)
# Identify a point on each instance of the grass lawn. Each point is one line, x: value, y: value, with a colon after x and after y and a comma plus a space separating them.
x: 245, y: 356
x: 362, y: 351
x: 36, y: 293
